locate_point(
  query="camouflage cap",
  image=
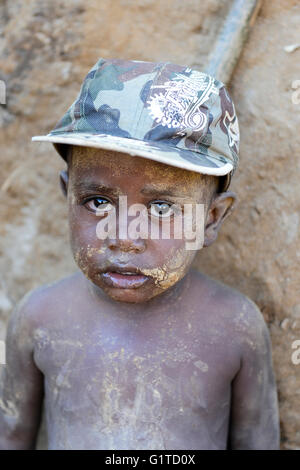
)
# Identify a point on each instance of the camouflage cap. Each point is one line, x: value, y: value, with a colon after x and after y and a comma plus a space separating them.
x: 160, y: 111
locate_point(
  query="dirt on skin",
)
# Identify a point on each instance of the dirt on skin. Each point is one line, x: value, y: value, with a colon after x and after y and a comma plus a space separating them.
x: 47, y: 49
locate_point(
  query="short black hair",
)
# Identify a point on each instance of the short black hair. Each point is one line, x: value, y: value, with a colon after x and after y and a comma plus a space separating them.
x: 224, y: 182
x: 68, y: 153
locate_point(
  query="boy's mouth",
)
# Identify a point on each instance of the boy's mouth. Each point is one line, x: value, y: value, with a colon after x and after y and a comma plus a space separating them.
x: 123, y: 277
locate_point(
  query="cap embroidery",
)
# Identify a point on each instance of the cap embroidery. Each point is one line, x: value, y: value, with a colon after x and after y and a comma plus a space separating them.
x: 178, y: 105
x: 232, y: 126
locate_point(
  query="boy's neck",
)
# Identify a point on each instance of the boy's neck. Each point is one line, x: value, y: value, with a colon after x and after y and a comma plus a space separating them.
x: 158, y: 304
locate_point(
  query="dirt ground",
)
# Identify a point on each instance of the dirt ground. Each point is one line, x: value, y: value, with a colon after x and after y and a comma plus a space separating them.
x: 46, y: 50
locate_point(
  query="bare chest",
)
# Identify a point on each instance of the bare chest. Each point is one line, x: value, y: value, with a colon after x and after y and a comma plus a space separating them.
x: 112, y: 393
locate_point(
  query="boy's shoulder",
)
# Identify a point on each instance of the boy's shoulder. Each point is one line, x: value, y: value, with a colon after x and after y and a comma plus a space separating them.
x: 225, y: 297
x: 234, y: 313
x: 42, y: 304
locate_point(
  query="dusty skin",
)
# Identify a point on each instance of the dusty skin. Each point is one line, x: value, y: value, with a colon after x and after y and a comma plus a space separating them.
x: 177, y: 362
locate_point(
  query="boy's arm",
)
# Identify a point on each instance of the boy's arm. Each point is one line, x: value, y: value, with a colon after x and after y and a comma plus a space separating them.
x: 254, y: 420
x: 21, y: 384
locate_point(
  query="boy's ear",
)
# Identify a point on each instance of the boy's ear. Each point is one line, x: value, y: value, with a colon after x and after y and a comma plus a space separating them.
x: 220, y: 208
x: 63, y: 180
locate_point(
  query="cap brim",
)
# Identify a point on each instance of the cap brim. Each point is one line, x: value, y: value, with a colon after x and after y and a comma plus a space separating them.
x: 157, y: 151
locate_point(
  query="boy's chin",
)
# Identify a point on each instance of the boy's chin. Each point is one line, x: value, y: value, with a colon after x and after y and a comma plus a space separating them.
x: 134, y: 296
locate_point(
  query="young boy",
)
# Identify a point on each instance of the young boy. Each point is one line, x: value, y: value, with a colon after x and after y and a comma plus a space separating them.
x: 137, y: 350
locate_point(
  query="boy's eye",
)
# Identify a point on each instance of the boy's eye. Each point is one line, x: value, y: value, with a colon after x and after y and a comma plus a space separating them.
x: 162, y: 209
x: 99, y: 205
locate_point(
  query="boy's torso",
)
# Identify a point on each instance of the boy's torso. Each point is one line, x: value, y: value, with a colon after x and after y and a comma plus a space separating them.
x: 159, y: 380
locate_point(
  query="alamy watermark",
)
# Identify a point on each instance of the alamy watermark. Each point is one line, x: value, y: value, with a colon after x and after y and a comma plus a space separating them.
x: 295, y: 358
x: 2, y: 352
x: 2, y: 92
x: 296, y: 93
x: 170, y: 221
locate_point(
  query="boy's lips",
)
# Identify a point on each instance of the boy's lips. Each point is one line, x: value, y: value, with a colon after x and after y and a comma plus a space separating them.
x: 123, y: 277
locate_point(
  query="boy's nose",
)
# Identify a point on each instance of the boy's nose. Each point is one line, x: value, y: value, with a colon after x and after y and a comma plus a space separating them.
x: 127, y: 245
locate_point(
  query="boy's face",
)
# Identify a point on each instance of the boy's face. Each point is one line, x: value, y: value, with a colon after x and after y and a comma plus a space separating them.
x: 131, y: 269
